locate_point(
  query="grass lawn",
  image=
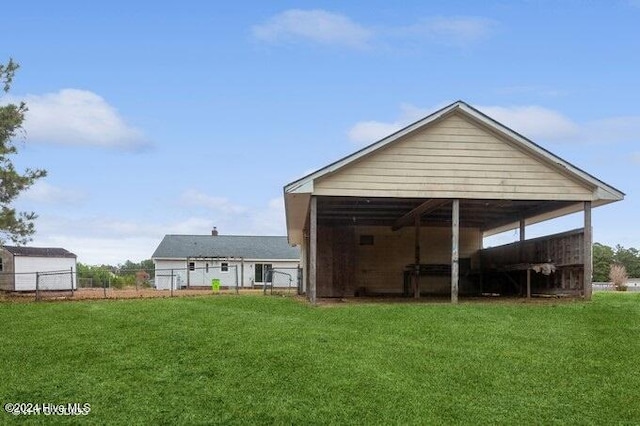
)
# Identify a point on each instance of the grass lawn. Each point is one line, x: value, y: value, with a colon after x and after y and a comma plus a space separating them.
x: 255, y: 359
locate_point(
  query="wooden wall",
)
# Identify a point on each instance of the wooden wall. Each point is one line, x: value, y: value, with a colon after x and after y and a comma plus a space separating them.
x: 454, y: 158
x: 564, y: 250
x: 345, y: 266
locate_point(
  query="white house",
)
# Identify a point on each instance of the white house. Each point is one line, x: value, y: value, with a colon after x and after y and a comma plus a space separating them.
x: 22, y: 267
x: 235, y: 260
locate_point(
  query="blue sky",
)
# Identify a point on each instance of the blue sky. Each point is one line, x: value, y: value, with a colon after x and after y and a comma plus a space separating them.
x: 187, y: 115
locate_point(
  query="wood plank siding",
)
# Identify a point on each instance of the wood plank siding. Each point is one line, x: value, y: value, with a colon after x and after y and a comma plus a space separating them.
x: 453, y: 158
x: 346, y: 266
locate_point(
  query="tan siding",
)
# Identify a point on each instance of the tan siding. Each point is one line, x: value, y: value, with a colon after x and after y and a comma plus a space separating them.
x: 452, y: 159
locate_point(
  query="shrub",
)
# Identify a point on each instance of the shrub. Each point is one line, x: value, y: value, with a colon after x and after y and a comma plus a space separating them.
x: 618, y: 277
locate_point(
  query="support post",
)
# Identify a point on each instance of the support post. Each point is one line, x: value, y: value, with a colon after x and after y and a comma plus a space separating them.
x: 71, y: 275
x: 528, y: 283
x: 588, y: 254
x: 237, y: 279
x: 522, y: 237
x: 189, y: 272
x: 455, y: 241
x: 416, y: 281
x: 313, y: 248
x: 37, y: 285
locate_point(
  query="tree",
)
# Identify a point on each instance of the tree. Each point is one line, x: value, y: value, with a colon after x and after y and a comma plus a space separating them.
x: 602, y: 260
x: 630, y: 258
x: 15, y: 226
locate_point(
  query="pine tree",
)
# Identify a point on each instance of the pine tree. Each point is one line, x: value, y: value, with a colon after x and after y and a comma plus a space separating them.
x: 17, y: 227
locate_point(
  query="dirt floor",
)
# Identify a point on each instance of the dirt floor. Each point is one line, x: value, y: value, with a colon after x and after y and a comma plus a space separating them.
x: 127, y: 293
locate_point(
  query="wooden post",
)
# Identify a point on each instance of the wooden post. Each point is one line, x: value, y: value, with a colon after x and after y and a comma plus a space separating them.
x: 528, y: 283
x: 416, y: 281
x: 521, y: 245
x: 188, y: 272
x: 455, y: 240
x: 588, y: 258
x: 313, y: 248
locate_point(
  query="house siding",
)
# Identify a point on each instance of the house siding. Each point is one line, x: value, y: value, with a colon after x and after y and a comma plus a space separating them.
x: 241, y: 274
x: 453, y: 158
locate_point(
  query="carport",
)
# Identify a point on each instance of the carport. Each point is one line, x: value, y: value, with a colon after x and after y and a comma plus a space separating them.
x: 406, y: 216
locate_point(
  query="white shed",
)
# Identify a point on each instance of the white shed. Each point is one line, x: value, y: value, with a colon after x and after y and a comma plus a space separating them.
x: 21, y: 267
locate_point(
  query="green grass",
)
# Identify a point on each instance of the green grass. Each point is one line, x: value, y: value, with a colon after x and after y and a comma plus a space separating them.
x: 254, y: 359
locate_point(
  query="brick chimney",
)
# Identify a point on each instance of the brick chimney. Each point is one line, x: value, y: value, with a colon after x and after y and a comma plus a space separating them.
x: 214, y: 231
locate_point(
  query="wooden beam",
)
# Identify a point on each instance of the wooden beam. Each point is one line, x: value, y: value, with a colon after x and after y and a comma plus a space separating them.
x: 424, y: 208
x: 522, y: 236
x: 588, y: 254
x: 416, y: 282
x: 545, y: 207
x: 455, y: 241
x: 313, y: 248
x: 528, y: 283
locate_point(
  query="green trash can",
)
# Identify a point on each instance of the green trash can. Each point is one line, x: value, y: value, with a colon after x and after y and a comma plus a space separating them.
x: 215, y: 284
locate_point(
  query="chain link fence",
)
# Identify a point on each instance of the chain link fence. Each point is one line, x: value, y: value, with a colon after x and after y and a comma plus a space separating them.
x: 121, y: 283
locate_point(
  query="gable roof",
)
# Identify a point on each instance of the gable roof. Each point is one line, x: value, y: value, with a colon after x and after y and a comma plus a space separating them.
x: 39, y: 251
x: 305, y: 184
x: 238, y: 246
x: 364, y: 173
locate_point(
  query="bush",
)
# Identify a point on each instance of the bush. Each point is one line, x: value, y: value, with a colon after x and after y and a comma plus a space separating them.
x: 618, y: 277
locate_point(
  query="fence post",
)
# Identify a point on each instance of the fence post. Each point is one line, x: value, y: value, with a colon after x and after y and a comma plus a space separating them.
x: 171, y: 283
x: 71, y: 276
x: 236, y: 279
x: 104, y: 287
x: 37, y: 285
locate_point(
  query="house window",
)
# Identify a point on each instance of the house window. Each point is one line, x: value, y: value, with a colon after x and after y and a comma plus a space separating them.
x: 224, y: 267
x: 206, y: 267
x: 261, y: 270
x: 366, y: 240
x: 192, y: 266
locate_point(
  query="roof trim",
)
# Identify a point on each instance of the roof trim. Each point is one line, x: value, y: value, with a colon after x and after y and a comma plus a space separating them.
x: 305, y: 184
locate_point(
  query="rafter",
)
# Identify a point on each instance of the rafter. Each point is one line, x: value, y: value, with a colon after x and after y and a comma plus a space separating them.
x: 424, y: 208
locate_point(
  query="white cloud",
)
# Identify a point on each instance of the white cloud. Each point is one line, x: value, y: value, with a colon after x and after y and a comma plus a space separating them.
x: 112, y: 240
x: 535, y: 122
x: 457, y: 31
x: 196, y: 198
x: 79, y: 117
x: 323, y: 27
x: 270, y: 220
x: 43, y: 192
x: 366, y: 132
x: 318, y: 26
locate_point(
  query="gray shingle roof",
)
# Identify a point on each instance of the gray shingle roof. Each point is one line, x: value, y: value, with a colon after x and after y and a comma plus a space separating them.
x: 39, y: 251
x: 248, y: 247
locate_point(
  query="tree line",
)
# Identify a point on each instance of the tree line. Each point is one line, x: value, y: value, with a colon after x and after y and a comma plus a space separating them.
x: 127, y: 274
x: 605, y: 256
